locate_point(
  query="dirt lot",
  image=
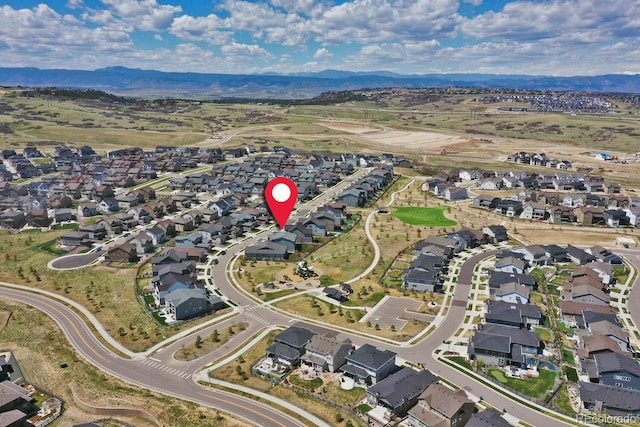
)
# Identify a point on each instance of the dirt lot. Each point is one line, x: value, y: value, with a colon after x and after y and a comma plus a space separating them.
x: 489, y: 149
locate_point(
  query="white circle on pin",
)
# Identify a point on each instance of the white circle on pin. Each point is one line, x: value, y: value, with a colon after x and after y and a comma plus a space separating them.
x: 281, y: 192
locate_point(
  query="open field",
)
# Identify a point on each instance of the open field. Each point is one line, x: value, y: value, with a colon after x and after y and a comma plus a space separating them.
x: 29, y: 331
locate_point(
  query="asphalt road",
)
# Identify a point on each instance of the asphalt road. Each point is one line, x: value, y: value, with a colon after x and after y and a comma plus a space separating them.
x: 70, y: 262
x: 162, y: 373
x: 421, y: 352
x: 146, y: 373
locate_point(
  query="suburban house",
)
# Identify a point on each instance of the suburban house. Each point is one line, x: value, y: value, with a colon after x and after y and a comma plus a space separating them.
x: 618, y: 370
x: 496, y: 233
x: 16, y: 404
x: 422, y: 279
x: 267, y: 251
x: 510, y: 265
x: 75, y: 238
x: 514, y: 315
x: 325, y: 353
x: 534, y: 211
x: 499, y: 278
x: 571, y: 312
x: 187, y: 303
x: 503, y: 345
x: 399, y: 391
x: 125, y: 253
x: 285, y: 238
x: 289, y: 345
x: 512, y: 293
x: 616, y: 401
x: 439, y: 405
x: 490, y: 417
x: 368, y: 365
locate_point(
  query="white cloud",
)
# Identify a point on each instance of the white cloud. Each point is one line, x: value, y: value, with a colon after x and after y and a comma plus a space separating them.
x: 75, y: 4
x: 266, y: 23
x: 146, y: 15
x: 473, y: 2
x: 239, y: 51
x: 367, y: 21
x: 322, y: 53
x: 210, y: 29
x: 301, y: 6
x: 42, y: 30
x: 158, y: 37
x: 591, y: 20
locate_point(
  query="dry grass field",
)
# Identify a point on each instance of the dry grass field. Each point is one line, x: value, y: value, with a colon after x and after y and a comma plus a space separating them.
x: 108, y: 292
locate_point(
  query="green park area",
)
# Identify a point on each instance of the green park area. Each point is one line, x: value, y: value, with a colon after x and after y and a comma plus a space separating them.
x: 431, y: 217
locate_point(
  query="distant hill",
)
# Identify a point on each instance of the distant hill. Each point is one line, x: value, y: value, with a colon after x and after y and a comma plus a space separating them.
x: 149, y: 83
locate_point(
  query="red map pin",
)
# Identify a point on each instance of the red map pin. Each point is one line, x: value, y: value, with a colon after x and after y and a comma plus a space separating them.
x: 281, y: 195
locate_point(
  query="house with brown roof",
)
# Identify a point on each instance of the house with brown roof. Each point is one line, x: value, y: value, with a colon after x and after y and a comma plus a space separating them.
x: 594, y: 344
x: 326, y: 353
x: 441, y: 406
x: 125, y: 253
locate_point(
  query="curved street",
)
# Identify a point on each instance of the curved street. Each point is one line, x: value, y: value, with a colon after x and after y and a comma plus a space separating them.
x: 159, y: 371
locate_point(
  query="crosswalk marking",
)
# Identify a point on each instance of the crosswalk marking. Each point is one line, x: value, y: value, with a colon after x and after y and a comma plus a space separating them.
x: 154, y: 363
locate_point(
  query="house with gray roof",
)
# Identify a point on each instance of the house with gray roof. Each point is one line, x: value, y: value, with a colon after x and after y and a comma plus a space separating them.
x: 368, y: 365
x: 187, y: 303
x: 611, y: 330
x: 422, y: 280
x: 284, y: 238
x: 618, y: 370
x: 267, y: 251
x: 510, y: 265
x: 511, y: 292
x: 400, y: 391
x: 499, y: 278
x: 325, y: 353
x: 514, y: 315
x: 503, y: 345
x: 289, y: 345
x: 441, y: 406
x: 612, y: 400
x: 15, y: 402
x: 490, y: 417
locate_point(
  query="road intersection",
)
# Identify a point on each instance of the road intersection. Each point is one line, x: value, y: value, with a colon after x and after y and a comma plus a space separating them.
x: 158, y: 370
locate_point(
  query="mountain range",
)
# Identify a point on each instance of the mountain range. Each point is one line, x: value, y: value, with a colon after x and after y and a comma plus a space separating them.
x: 150, y: 83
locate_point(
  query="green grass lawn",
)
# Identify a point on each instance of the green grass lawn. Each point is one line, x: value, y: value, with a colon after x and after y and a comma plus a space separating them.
x: 572, y: 374
x: 567, y: 356
x: 345, y: 397
x: 432, y: 217
x: 562, y: 401
x: 364, y: 408
x: 534, y: 387
x: 460, y: 361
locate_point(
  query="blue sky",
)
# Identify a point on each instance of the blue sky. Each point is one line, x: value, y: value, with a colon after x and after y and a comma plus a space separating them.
x: 542, y: 37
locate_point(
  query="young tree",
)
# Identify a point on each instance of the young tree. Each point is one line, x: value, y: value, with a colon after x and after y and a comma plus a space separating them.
x: 215, y: 336
x: 198, y: 342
